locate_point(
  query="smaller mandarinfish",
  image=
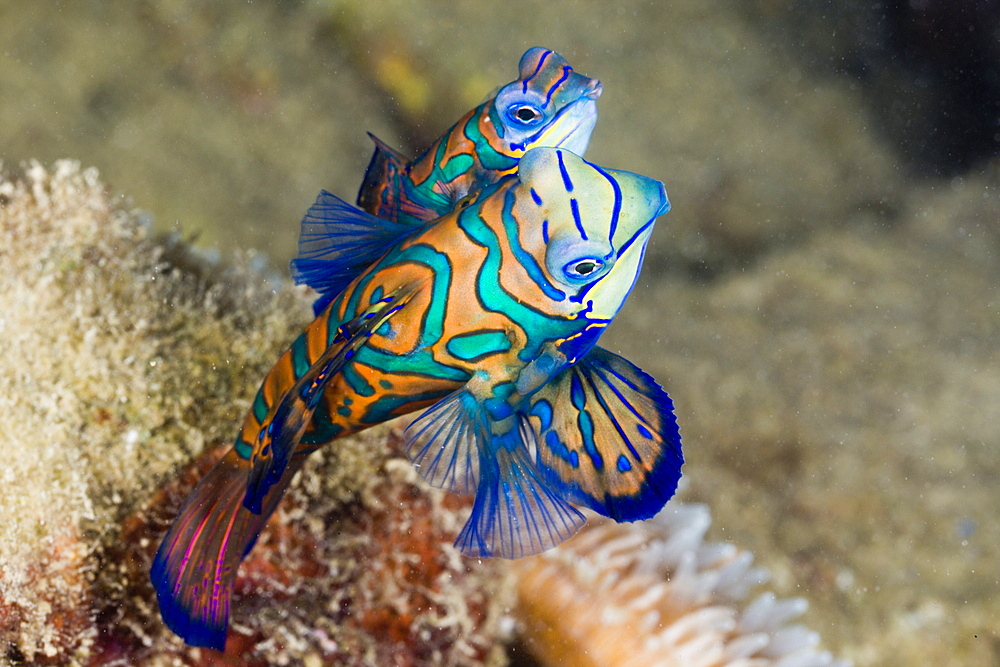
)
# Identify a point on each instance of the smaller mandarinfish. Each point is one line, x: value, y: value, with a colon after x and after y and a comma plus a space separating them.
x: 548, y: 105
x: 490, y: 315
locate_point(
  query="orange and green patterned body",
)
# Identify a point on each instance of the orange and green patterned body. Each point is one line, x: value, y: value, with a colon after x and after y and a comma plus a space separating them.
x: 549, y: 105
x: 489, y: 315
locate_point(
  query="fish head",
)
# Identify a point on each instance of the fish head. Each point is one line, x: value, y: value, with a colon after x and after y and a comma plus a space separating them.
x: 548, y: 105
x: 592, y: 225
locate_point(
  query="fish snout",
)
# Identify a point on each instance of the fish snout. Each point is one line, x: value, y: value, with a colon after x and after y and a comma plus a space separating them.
x: 594, y: 89
x: 664, y: 205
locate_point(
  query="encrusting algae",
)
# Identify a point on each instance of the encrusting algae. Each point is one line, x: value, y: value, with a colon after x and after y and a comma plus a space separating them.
x: 122, y: 358
x: 125, y: 361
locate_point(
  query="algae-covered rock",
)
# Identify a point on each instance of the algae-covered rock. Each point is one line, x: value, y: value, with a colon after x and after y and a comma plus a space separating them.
x: 123, y: 357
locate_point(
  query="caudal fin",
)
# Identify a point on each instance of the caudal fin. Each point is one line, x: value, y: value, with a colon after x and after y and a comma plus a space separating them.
x: 195, y: 567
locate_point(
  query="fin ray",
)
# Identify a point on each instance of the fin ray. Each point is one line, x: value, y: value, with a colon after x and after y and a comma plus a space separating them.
x: 442, y: 444
x: 195, y: 567
x: 336, y: 243
x: 516, y: 514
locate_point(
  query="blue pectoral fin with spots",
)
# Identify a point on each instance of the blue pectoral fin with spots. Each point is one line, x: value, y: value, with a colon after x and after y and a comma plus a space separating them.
x: 607, y: 437
x: 286, y: 422
x: 515, y: 513
x: 337, y: 242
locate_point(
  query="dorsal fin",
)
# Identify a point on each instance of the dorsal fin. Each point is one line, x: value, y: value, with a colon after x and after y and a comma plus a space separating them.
x: 607, y: 437
x: 337, y: 242
x: 388, y: 192
x: 379, y: 189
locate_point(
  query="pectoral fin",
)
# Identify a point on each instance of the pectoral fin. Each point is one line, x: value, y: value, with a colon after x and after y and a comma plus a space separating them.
x: 515, y: 513
x: 607, y: 437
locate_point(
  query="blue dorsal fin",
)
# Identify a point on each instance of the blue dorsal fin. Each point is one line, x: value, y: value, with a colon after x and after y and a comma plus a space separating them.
x: 515, y: 513
x: 607, y: 437
x: 282, y: 428
x: 337, y: 242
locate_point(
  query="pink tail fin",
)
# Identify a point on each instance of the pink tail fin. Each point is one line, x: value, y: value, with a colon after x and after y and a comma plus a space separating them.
x: 196, y: 564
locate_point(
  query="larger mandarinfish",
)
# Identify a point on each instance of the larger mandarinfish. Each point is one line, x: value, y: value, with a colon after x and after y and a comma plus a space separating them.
x: 489, y: 315
x: 548, y: 105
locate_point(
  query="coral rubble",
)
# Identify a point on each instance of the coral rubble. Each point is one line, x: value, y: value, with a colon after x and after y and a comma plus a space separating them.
x: 654, y: 593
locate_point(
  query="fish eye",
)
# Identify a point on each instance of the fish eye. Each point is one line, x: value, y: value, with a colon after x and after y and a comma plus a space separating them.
x: 584, y: 268
x: 526, y: 114
x: 465, y: 201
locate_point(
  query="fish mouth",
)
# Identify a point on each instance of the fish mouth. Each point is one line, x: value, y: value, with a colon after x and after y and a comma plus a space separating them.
x: 571, y: 127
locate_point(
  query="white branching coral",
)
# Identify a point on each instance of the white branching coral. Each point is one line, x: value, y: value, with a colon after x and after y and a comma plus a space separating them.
x: 654, y: 593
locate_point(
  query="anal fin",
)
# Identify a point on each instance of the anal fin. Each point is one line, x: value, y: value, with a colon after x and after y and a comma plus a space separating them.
x: 195, y: 567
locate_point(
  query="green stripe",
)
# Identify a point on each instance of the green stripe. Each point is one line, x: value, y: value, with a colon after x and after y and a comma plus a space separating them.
x: 488, y: 156
x: 539, y: 326
x: 300, y: 357
x: 260, y: 406
x: 243, y: 449
x: 475, y: 346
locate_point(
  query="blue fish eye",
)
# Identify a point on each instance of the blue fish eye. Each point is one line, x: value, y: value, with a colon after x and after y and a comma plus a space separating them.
x: 524, y: 114
x: 583, y: 269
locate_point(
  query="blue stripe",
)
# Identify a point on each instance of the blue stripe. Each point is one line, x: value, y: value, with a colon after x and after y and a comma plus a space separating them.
x: 608, y: 412
x: 576, y: 395
x: 559, y: 448
x: 524, y: 258
x: 586, y: 426
x: 534, y: 195
x: 541, y: 61
x: 565, y: 75
x: 543, y: 410
x: 565, y: 175
x: 617, y: 209
x: 575, y: 208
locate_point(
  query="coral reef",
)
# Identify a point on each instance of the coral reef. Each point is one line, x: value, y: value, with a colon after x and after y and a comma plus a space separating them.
x: 654, y: 593
x: 124, y: 356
